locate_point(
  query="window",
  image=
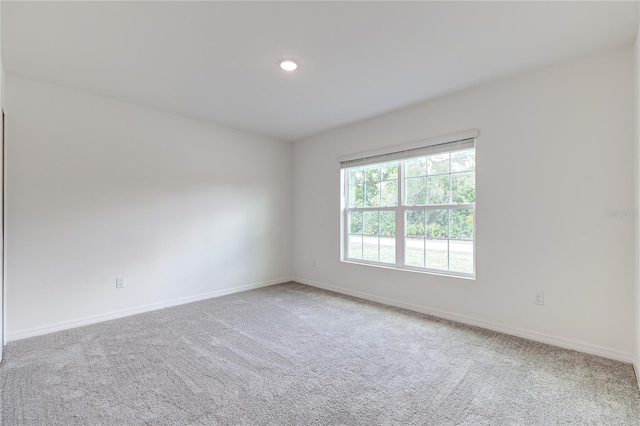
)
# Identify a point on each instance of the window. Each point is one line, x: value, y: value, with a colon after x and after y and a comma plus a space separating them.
x: 412, y: 209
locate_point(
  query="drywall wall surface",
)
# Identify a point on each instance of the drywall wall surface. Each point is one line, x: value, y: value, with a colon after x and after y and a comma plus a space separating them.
x: 636, y: 117
x: 2, y: 301
x: 99, y: 189
x: 554, y: 155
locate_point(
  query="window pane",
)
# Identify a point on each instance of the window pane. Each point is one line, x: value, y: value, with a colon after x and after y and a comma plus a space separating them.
x: 416, y: 191
x: 356, y: 176
x: 414, y: 226
x: 438, y: 164
x: 389, y: 193
x: 372, y: 173
x: 414, y: 252
x: 388, y: 249
x: 463, y: 187
x: 372, y: 194
x: 416, y: 167
x: 388, y: 224
x: 438, y: 223
x: 356, y: 195
x: 356, y: 187
x: 355, y: 222
x: 437, y: 254
x: 462, y: 161
x: 461, y: 256
x: 370, y: 223
x: 461, y: 224
x: 438, y: 189
x: 355, y: 246
x: 389, y: 171
x: 370, y: 248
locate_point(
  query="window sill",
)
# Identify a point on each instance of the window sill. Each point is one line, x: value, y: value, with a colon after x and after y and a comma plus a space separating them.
x: 415, y: 270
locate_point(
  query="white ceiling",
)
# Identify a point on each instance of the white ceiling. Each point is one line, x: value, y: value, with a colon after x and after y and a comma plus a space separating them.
x: 216, y: 61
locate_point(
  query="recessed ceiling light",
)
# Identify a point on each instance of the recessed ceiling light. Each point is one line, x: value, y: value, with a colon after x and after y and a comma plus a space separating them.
x: 288, y: 64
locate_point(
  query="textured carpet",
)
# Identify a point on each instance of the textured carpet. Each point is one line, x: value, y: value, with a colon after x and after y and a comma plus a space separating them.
x: 295, y: 355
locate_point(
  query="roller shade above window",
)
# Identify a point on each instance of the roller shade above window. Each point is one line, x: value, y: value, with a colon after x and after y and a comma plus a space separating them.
x: 449, y: 143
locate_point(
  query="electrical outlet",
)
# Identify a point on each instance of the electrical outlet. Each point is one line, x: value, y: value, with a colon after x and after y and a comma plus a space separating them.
x: 538, y: 298
x: 120, y: 282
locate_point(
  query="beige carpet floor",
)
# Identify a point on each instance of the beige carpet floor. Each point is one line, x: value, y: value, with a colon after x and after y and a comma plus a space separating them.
x: 295, y: 355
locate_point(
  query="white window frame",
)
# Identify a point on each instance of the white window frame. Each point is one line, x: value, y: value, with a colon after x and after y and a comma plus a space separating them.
x: 399, y: 153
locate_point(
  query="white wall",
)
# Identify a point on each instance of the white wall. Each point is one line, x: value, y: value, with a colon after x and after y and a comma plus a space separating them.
x: 2, y: 310
x: 98, y: 188
x: 637, y: 198
x: 555, y: 151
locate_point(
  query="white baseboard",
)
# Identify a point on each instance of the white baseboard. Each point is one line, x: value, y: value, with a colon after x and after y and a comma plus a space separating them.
x: 527, y: 334
x: 64, y: 325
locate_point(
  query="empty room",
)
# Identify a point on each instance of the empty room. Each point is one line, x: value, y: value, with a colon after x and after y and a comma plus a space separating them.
x: 320, y: 213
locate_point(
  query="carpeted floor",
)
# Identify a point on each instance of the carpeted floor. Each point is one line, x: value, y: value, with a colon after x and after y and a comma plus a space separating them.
x: 295, y: 355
